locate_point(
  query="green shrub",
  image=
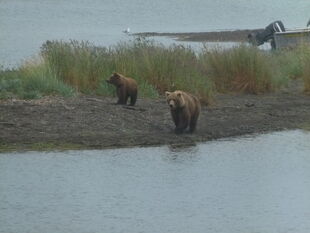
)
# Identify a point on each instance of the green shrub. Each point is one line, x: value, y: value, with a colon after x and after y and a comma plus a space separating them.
x: 31, y: 80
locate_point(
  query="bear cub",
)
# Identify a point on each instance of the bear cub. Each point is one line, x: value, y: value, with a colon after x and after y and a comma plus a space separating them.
x: 125, y: 88
x: 185, y: 109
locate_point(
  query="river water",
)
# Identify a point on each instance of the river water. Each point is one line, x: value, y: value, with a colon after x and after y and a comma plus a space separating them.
x: 255, y: 184
x: 26, y: 24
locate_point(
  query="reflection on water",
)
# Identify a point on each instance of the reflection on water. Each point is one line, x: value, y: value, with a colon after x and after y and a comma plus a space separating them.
x: 250, y: 184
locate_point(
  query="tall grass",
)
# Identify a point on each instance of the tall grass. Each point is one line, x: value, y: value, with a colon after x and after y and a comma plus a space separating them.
x: 305, y: 61
x: 241, y: 69
x: 289, y: 62
x: 295, y: 64
x: 66, y: 68
x: 76, y: 63
x: 155, y: 67
x: 32, y: 80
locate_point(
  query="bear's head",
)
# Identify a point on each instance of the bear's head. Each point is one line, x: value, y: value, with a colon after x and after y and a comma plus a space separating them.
x: 115, y: 79
x: 175, y: 99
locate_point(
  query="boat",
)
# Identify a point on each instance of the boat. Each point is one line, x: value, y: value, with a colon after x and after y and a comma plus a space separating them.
x: 292, y: 38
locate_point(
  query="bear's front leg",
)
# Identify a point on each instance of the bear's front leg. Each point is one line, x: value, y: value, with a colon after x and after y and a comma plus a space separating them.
x: 182, y: 124
x: 175, y: 117
x: 121, y: 94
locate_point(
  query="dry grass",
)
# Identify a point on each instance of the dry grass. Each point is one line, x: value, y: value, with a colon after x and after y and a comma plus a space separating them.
x: 155, y: 67
x: 241, y: 69
x: 66, y: 68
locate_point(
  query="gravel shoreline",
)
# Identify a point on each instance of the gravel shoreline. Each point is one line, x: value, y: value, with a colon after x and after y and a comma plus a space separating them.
x: 88, y: 122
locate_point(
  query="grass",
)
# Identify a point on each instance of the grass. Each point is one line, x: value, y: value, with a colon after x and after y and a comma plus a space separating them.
x: 39, y: 146
x: 289, y: 62
x: 155, y: 67
x: 68, y: 68
x: 241, y: 69
x: 32, y: 80
x: 305, y: 62
x: 294, y: 64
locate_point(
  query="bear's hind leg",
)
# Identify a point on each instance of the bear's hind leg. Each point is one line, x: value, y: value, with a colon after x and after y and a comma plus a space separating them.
x: 133, y: 99
x: 192, y: 124
x: 126, y: 99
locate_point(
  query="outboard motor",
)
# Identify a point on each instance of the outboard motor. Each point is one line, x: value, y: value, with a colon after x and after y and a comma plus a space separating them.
x: 260, y: 38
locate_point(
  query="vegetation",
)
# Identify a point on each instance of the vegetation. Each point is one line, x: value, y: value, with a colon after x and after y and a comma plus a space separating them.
x: 155, y: 67
x: 40, y: 146
x: 241, y: 69
x: 67, y: 68
x: 32, y: 80
x: 304, y: 52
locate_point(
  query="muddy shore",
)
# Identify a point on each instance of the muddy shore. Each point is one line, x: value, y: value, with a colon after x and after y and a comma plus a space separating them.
x: 96, y: 122
x: 217, y: 36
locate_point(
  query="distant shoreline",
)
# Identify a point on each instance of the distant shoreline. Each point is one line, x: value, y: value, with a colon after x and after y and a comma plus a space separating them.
x: 215, y: 36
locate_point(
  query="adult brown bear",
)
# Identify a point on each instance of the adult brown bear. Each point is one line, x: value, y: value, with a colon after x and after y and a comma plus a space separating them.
x: 185, y: 109
x: 125, y: 88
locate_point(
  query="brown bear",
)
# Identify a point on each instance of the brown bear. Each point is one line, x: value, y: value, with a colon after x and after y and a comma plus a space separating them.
x: 185, y: 109
x: 125, y: 87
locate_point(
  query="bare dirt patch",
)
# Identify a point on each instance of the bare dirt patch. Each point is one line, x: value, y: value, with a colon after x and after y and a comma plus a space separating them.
x: 96, y: 122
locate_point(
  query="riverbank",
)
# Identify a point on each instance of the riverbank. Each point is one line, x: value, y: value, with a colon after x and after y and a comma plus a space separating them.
x: 216, y: 36
x: 88, y: 122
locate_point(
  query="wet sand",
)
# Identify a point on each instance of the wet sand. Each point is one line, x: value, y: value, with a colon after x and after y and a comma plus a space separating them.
x: 96, y: 122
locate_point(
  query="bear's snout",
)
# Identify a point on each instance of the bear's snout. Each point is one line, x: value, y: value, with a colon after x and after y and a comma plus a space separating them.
x: 172, y: 104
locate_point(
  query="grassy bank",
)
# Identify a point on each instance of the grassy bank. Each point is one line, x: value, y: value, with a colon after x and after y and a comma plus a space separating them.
x: 241, y: 69
x: 10, y: 147
x: 68, y: 68
x: 305, y: 64
x: 33, y: 79
x: 155, y: 67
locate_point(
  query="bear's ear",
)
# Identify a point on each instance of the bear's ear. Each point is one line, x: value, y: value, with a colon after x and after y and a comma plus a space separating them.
x: 167, y: 93
x: 179, y: 94
x: 115, y: 74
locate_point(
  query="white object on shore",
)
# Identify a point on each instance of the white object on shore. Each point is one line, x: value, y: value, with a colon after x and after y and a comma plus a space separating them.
x: 127, y: 30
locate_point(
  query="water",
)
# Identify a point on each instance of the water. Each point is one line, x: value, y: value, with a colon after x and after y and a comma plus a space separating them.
x: 25, y: 25
x: 251, y: 184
